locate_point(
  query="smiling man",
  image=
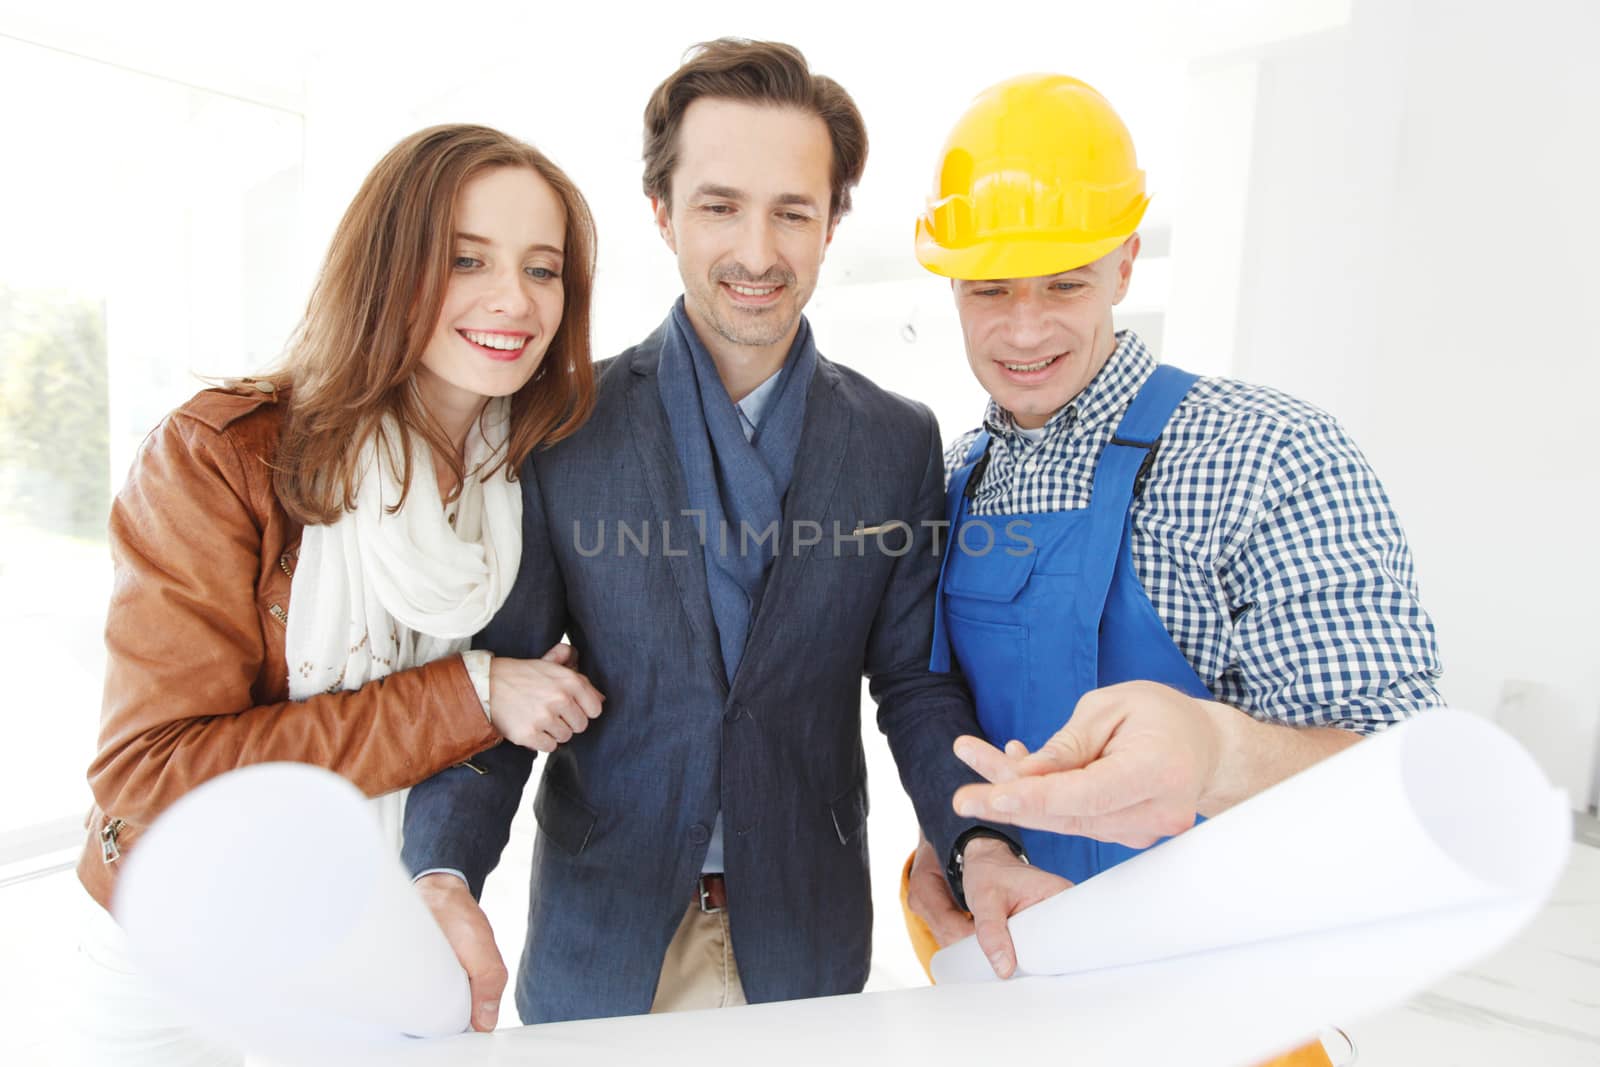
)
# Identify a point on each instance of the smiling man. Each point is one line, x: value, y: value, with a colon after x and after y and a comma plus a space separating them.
x: 1219, y: 593
x: 707, y: 542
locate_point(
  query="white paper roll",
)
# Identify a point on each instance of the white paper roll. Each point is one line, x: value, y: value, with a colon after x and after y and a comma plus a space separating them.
x: 269, y: 906
x: 1443, y: 812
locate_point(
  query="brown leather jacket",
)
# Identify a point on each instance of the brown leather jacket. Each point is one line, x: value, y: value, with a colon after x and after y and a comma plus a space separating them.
x: 196, y: 682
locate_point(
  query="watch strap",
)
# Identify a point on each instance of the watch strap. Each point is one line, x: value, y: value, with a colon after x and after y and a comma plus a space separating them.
x: 954, y: 867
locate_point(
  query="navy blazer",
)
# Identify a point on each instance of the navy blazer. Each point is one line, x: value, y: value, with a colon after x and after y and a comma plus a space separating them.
x: 625, y: 809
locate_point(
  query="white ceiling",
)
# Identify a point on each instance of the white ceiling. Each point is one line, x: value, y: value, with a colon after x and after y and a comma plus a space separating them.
x: 265, y: 52
x: 573, y: 78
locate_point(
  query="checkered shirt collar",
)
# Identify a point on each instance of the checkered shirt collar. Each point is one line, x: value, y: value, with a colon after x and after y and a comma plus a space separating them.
x: 1108, y: 395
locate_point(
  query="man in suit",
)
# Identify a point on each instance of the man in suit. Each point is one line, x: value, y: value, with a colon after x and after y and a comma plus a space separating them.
x: 739, y: 533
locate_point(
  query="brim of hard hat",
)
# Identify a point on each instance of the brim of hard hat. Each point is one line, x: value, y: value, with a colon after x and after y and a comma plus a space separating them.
x: 1017, y: 256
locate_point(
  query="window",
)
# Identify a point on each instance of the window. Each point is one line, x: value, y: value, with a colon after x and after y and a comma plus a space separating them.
x: 150, y: 237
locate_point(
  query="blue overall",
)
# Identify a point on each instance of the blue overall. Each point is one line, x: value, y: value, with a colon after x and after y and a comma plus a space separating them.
x: 1041, y: 608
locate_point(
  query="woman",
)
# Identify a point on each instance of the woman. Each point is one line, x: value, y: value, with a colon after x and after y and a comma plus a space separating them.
x: 301, y: 559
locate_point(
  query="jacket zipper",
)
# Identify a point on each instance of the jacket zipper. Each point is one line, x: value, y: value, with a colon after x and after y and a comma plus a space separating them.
x: 109, y: 852
x: 276, y: 610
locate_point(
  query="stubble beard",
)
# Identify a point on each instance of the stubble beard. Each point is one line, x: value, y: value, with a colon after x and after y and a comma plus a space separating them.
x: 757, y: 330
x: 752, y: 327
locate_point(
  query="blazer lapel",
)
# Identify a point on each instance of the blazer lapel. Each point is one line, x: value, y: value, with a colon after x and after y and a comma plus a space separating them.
x: 652, y: 439
x: 824, y: 436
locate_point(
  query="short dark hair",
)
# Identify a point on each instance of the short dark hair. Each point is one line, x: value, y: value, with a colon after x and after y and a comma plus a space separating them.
x: 761, y: 72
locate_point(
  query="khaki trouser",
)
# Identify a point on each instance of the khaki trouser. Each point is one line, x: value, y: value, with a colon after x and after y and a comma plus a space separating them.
x: 699, y: 970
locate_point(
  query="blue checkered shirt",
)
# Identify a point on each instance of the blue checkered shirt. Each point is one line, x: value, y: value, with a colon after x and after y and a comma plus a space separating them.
x: 1262, y: 537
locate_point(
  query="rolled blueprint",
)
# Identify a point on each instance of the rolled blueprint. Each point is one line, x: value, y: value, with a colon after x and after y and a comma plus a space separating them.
x: 270, y: 908
x: 1440, y: 814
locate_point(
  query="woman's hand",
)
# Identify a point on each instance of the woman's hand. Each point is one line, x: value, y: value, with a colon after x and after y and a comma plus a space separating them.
x: 541, y: 703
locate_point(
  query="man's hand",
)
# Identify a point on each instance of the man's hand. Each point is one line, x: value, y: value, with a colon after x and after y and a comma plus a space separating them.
x: 541, y: 703
x: 466, y: 927
x: 1136, y: 763
x: 1130, y: 767
x: 998, y: 885
x: 928, y: 896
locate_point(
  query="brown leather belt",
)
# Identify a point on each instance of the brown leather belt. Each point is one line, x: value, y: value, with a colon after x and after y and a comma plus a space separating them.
x: 711, y: 893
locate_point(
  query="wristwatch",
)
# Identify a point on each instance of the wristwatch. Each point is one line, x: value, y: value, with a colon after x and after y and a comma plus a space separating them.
x: 955, y: 865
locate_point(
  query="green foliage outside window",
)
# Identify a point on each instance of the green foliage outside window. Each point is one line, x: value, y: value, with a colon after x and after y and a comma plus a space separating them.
x: 54, y: 412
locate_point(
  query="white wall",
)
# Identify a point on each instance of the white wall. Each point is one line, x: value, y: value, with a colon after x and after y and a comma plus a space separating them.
x: 1385, y: 206
x: 1381, y: 205
x: 1420, y: 258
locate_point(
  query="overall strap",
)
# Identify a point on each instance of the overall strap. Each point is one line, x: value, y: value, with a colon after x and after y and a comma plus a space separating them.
x: 964, y: 482
x: 1119, y: 476
x: 975, y: 451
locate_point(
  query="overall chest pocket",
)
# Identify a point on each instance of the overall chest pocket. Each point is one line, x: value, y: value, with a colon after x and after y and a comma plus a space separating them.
x: 986, y: 572
x: 995, y: 660
x: 989, y: 633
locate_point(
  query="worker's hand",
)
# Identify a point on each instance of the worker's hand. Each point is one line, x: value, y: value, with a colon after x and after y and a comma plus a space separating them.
x: 998, y: 885
x: 1131, y: 766
x: 466, y: 927
x: 928, y: 897
x: 541, y: 703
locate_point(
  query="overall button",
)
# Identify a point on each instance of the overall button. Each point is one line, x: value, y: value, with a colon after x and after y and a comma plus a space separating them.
x: 698, y: 834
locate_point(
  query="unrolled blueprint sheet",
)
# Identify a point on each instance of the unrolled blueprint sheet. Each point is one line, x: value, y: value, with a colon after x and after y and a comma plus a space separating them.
x: 273, y: 909
x: 1334, y: 894
x: 1442, y: 813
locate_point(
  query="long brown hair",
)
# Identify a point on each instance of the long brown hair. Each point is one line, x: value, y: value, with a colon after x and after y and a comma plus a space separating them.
x: 755, y: 72
x: 352, y: 359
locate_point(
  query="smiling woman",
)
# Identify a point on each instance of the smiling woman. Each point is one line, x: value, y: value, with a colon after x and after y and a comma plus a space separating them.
x: 504, y: 299
x: 354, y: 514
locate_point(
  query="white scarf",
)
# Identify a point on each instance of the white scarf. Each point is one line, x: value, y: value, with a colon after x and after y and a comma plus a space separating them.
x: 377, y: 592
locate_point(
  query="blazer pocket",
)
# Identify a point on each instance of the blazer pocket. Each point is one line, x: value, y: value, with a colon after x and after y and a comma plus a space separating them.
x: 889, y: 537
x: 849, y: 811
x: 562, y: 816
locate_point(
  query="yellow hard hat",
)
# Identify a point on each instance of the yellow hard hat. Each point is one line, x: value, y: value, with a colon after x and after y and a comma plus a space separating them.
x: 1038, y: 177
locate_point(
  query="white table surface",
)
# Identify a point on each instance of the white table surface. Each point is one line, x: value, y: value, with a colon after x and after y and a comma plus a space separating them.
x: 1536, y: 1002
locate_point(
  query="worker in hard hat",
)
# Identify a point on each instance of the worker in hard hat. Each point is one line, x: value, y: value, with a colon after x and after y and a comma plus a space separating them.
x: 1217, y: 593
